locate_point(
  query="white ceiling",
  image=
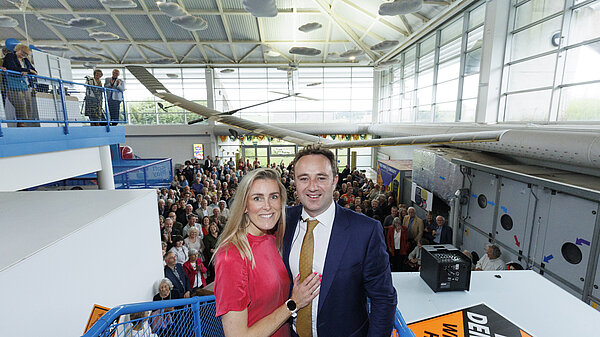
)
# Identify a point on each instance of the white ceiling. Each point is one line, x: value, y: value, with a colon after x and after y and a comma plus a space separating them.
x: 233, y: 36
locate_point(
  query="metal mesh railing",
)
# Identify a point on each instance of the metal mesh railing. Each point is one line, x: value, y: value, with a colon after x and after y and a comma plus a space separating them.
x: 29, y: 100
x: 153, y: 175
x: 192, y: 317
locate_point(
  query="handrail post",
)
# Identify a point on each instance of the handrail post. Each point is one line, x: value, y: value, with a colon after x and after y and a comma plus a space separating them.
x: 145, y: 177
x: 64, y: 106
x: 106, y: 112
x: 196, y: 311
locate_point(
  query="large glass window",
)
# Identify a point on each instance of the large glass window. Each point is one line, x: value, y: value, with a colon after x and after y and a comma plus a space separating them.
x: 427, y: 84
x: 551, y: 71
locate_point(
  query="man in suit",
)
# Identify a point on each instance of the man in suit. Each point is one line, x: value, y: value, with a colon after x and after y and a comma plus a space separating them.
x: 115, y: 97
x: 415, y: 226
x: 442, y: 234
x: 174, y: 272
x: 346, y: 248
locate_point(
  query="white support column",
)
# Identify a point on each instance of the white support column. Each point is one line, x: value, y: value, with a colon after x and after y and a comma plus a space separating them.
x: 375, y: 113
x: 105, y: 175
x: 492, y: 60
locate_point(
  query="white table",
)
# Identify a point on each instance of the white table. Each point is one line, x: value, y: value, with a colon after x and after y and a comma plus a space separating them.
x: 524, y: 297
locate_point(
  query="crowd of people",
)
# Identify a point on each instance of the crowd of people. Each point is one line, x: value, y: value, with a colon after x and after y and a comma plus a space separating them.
x: 256, y: 257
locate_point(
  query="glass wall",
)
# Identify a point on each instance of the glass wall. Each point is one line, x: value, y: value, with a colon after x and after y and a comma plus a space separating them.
x: 551, y: 71
x: 143, y: 107
x: 436, y: 79
x: 334, y: 94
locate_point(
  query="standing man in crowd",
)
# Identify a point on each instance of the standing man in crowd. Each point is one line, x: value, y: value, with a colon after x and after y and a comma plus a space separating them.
x: 415, y: 226
x: 115, y: 97
x: 347, y: 248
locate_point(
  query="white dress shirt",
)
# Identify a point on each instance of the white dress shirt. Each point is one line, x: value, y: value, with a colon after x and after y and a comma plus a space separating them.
x: 321, y: 234
x: 397, y: 236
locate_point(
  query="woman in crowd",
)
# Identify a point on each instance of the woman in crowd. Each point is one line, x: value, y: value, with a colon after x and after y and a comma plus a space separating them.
x: 181, y: 251
x: 17, y: 85
x: 161, y: 323
x: 210, y: 244
x: 205, y: 226
x: 397, y: 243
x: 193, y: 241
x: 195, y: 271
x: 252, y: 284
x: 93, y: 97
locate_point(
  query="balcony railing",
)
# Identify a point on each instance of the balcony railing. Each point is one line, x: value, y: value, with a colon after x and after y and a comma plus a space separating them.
x: 34, y: 101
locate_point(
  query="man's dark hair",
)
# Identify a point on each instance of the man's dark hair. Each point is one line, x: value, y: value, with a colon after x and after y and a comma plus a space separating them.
x: 317, y: 150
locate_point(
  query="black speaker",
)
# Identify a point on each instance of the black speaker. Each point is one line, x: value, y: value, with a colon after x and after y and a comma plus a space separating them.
x: 445, y: 268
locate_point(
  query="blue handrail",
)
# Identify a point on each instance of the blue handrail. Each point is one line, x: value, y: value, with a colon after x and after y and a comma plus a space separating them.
x: 58, y: 111
x: 105, y: 325
x: 108, y: 318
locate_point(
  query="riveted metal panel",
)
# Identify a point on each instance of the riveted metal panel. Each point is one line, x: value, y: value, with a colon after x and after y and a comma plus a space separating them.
x: 200, y: 4
x: 568, y: 236
x: 482, y: 200
x: 515, y: 204
x: 39, y: 4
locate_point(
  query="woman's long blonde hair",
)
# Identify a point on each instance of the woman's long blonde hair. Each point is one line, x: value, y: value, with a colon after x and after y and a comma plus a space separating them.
x: 236, y: 229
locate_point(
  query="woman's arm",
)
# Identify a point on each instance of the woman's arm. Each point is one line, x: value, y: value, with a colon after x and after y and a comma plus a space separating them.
x: 235, y: 323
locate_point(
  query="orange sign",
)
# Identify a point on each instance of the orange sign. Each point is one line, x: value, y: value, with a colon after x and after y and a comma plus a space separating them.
x: 97, y: 312
x: 478, y: 320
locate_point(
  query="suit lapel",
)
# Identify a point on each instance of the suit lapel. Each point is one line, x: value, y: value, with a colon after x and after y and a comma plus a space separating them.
x: 292, y: 216
x: 335, y: 251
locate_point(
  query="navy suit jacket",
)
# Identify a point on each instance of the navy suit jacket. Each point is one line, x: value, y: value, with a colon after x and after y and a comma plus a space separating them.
x: 356, y: 267
x: 181, y: 288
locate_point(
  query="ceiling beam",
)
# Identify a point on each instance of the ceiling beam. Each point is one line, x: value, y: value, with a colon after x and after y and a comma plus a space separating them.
x: 219, y: 53
x: 160, y: 32
x: 327, y: 38
x: 420, y: 16
x: 227, y: 30
x: 374, y: 16
x: 192, y: 41
x: 85, y: 11
x: 189, y: 52
x: 406, y: 24
x: 59, y: 35
x: 248, y: 53
x: 70, y: 11
x: 126, y: 32
x: 326, y: 9
x: 259, y: 24
x: 155, y: 51
x: 195, y: 35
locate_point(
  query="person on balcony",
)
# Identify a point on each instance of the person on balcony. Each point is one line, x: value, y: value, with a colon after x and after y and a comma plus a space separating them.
x: 93, y: 98
x: 114, y: 97
x: 17, y: 86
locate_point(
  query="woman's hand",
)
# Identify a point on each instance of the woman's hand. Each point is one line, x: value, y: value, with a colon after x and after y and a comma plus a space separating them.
x: 303, y: 293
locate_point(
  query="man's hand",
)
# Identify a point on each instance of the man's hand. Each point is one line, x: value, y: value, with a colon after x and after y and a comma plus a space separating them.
x: 186, y: 295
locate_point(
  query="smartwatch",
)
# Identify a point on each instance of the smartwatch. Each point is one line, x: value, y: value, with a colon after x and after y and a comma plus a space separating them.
x: 291, y: 305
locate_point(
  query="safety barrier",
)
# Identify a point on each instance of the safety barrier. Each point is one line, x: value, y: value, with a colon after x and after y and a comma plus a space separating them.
x: 190, y: 317
x: 155, y: 174
x: 31, y: 100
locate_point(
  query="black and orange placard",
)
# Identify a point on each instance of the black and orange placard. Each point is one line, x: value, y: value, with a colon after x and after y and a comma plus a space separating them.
x: 97, y: 312
x: 478, y: 320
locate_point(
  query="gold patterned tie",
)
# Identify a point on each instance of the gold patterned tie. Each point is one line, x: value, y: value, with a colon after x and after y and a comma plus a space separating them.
x: 304, y: 320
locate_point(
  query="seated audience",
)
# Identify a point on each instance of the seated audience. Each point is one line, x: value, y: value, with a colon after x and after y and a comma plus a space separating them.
x: 414, y: 258
x: 491, y: 259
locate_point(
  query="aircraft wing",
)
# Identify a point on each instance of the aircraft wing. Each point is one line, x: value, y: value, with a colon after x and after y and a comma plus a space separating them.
x: 158, y: 90
x: 300, y: 138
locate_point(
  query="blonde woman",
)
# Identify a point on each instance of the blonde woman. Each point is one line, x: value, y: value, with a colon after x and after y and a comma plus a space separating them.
x: 17, y: 85
x: 252, y: 284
